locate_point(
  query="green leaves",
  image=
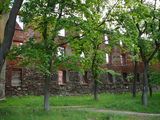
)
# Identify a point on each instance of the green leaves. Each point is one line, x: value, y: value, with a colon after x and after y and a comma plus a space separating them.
x: 154, y: 77
x: 48, y: 18
x: 137, y: 26
x: 4, y: 6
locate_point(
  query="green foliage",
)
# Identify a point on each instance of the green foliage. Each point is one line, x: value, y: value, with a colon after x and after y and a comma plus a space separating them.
x: 154, y: 77
x: 92, y: 40
x: 33, y: 55
x: 130, y: 77
x: 136, y: 25
x: 113, y: 73
x: 48, y: 17
x: 158, y: 55
x: 4, y: 6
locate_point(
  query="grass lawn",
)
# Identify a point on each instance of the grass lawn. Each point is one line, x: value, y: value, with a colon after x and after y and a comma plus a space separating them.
x: 31, y: 107
x: 24, y: 113
x: 106, y: 101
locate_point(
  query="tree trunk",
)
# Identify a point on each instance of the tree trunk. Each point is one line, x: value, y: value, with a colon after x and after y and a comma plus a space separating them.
x: 134, y: 80
x: 150, y: 90
x: 150, y: 86
x: 95, y: 89
x: 145, y: 85
x: 94, y: 69
x: 46, y: 94
x: 47, y: 86
x: 9, y: 31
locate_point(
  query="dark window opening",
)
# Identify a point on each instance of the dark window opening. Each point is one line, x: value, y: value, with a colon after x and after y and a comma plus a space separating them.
x: 124, y: 75
x: 138, y: 77
x: 84, y: 78
x: 110, y: 77
x: 124, y: 61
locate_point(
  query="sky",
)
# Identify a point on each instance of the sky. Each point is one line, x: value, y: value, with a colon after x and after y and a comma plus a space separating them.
x: 19, y: 22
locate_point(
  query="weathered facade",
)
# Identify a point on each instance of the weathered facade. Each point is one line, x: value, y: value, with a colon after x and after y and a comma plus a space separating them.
x: 24, y: 81
x: 32, y: 84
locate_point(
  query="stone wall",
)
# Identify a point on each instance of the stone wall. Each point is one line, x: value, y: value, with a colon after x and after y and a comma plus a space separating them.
x: 32, y: 84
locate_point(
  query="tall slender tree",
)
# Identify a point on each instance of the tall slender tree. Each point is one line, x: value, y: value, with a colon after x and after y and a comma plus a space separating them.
x: 93, y: 45
x: 137, y: 22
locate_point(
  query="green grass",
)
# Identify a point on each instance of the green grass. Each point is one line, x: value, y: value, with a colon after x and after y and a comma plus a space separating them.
x: 106, y: 101
x: 20, y: 113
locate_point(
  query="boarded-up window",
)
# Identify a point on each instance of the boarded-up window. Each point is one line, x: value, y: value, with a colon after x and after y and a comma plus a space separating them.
x: 16, y: 78
x: 61, y: 77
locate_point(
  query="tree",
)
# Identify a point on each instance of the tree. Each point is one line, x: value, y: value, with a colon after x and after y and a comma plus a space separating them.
x: 93, y: 45
x: 9, y: 28
x: 137, y: 24
x: 49, y: 18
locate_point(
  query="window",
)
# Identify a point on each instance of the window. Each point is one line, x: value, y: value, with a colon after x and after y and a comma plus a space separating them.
x: 107, y: 58
x: 62, y: 33
x: 60, y: 51
x: 61, y: 77
x: 110, y: 77
x: 124, y: 75
x: 121, y: 43
x: 106, y: 39
x: 124, y: 59
x: 121, y: 58
x: 116, y: 60
x: 82, y: 55
x: 84, y: 78
x: 16, y: 78
x: 138, y: 77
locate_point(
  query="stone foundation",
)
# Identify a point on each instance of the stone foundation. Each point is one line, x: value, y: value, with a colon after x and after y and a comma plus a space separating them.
x: 32, y: 84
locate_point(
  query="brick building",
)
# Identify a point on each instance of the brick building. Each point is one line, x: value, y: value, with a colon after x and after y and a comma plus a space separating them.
x: 24, y: 81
